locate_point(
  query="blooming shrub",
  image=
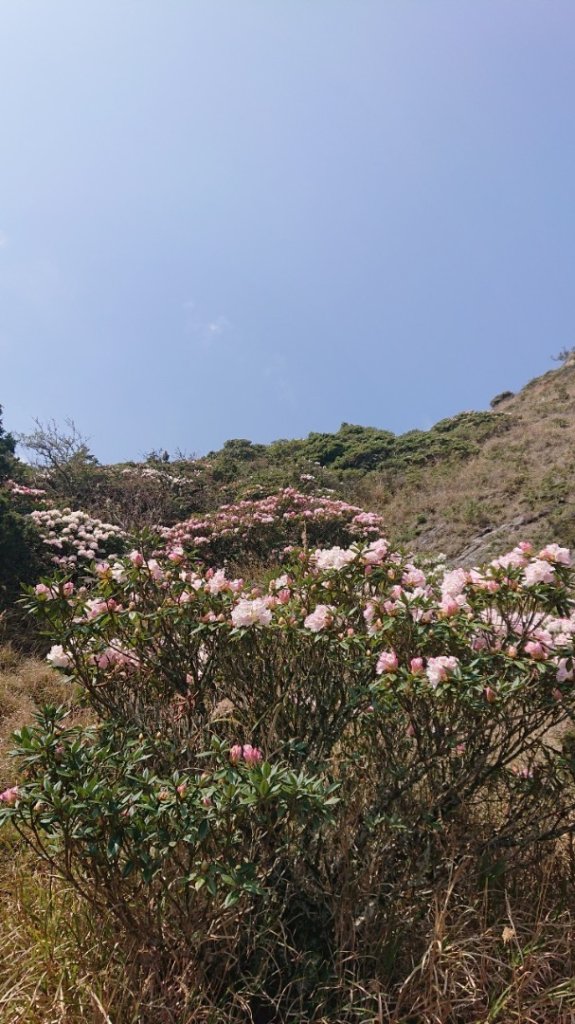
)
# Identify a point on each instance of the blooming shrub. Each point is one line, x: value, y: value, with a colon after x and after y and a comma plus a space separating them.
x: 278, y: 778
x: 75, y: 536
x: 262, y: 528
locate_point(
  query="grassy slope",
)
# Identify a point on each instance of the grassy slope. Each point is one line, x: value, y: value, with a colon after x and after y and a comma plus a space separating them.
x: 472, y: 486
x: 516, y: 486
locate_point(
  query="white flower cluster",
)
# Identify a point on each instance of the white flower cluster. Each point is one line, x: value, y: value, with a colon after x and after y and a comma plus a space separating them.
x: 149, y: 473
x: 75, y: 535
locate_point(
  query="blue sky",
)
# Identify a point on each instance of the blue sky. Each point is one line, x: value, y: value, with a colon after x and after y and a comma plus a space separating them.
x: 258, y: 218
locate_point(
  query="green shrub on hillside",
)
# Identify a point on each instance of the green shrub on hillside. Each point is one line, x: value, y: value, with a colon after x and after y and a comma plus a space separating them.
x: 8, y: 461
x: 22, y: 556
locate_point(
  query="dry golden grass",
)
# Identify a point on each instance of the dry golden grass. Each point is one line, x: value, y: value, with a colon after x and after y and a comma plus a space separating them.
x: 54, y: 966
x: 25, y: 683
x: 518, y: 485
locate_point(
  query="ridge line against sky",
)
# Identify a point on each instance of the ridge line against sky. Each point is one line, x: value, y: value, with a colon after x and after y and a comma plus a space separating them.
x: 243, y: 219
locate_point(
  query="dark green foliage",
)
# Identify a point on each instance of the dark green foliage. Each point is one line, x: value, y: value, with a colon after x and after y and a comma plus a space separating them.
x: 501, y: 397
x: 22, y: 554
x: 8, y: 460
x: 353, y: 447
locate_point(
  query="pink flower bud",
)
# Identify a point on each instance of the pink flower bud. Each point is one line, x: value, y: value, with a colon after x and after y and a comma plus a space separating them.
x: 136, y: 558
x: 416, y: 666
x: 252, y: 755
x: 490, y: 695
x: 449, y: 606
x: 236, y: 753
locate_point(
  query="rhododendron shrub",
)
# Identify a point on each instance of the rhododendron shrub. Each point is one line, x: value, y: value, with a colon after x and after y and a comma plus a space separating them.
x: 278, y: 778
x: 263, y: 528
x: 75, y: 538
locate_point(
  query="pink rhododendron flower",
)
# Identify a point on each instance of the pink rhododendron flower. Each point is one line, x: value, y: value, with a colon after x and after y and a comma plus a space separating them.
x: 440, y: 669
x: 251, y: 613
x: 9, y: 796
x: 564, y: 673
x: 320, y: 618
x: 453, y: 583
x: 536, y: 650
x: 513, y: 559
x: 538, y: 571
x: 416, y: 666
x: 387, y: 662
x: 554, y: 553
x: 375, y: 552
x: 333, y: 558
x: 236, y: 753
x: 136, y: 558
x: 156, y: 571
x: 43, y: 592
x: 217, y: 582
x: 449, y: 606
x: 413, y: 577
x: 58, y: 657
x: 252, y: 755
x: 95, y: 607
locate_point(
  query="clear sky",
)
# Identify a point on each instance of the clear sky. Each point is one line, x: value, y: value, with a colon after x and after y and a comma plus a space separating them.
x: 258, y: 218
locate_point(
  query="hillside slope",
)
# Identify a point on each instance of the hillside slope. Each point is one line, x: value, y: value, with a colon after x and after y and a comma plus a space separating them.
x: 471, y: 486
x: 517, y: 485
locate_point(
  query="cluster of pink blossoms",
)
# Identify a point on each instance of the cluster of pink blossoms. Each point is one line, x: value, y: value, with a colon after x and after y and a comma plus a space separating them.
x: 251, y: 755
x: 322, y: 617
x: 21, y: 491
x: 364, y: 589
x: 251, y: 612
x: 438, y: 670
x: 289, y: 516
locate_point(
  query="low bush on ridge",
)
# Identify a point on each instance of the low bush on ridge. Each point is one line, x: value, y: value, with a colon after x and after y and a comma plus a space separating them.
x: 278, y: 780
x: 261, y: 529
